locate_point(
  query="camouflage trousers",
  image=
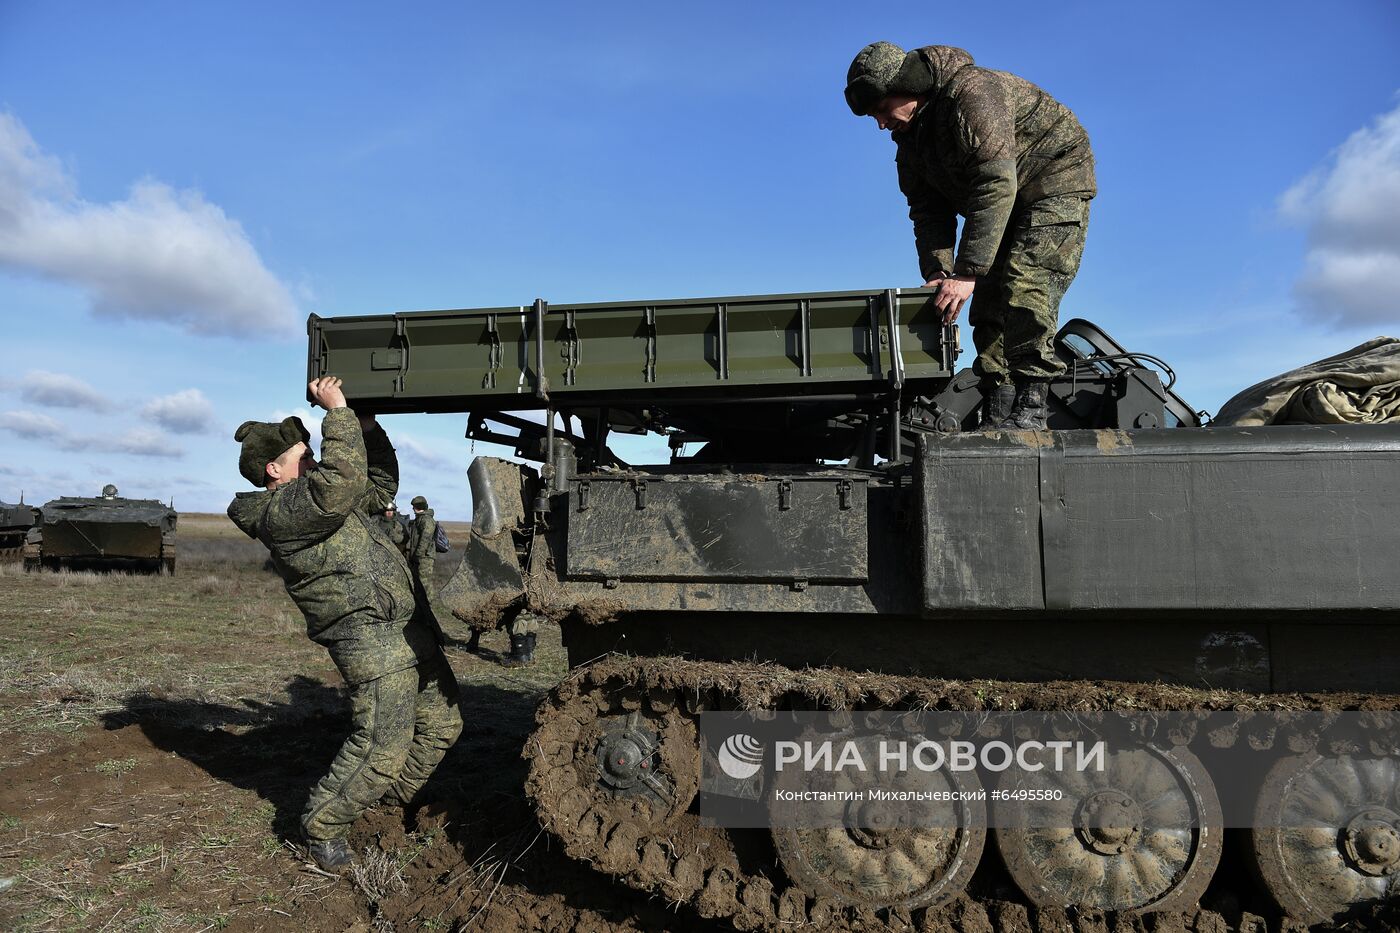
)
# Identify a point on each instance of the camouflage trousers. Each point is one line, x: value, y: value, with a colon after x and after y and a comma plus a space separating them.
x: 403, y: 723
x: 1016, y: 306
x: 525, y: 623
x: 425, y: 599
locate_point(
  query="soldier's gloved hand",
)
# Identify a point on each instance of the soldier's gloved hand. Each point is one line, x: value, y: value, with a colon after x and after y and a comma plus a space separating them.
x: 326, y: 392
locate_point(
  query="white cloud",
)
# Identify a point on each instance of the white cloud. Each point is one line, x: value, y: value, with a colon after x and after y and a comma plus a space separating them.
x: 160, y: 254
x: 31, y: 425
x: 184, y: 412
x: 311, y: 418
x: 1351, y: 209
x: 140, y: 442
x: 413, y: 449
x: 59, y: 390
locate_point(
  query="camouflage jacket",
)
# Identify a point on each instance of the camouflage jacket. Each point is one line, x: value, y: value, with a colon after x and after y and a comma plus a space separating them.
x: 982, y: 143
x: 395, y: 529
x: 420, y: 539
x: 349, y: 581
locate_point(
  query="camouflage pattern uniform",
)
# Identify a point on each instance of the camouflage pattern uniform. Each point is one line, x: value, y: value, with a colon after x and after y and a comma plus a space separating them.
x: 422, y: 557
x: 1016, y: 165
x: 357, y: 594
x: 395, y: 530
x: 524, y: 629
x: 421, y: 550
x: 525, y: 623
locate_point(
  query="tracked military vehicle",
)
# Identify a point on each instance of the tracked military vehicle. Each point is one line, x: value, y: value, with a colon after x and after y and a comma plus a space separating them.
x: 829, y: 533
x: 105, y: 532
x: 15, y: 522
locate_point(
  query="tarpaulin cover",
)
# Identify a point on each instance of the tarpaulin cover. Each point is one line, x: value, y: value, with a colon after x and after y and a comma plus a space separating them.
x: 1360, y: 386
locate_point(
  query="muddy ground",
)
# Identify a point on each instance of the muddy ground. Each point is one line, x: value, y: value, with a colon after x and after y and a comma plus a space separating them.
x: 160, y: 735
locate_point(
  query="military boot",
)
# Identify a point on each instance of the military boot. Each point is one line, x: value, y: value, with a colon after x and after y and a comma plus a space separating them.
x: 518, y: 651
x: 530, y: 648
x: 331, y: 855
x: 997, y: 400
x: 1028, y: 412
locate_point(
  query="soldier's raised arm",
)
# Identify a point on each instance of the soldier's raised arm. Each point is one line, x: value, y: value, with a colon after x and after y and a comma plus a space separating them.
x: 383, y: 465
x: 338, y: 483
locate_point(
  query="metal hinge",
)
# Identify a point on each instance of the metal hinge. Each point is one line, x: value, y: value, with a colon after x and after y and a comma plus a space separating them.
x: 649, y: 326
x: 570, y: 350
x: 583, y: 490
x: 784, y: 495
x: 639, y: 486
x: 843, y: 493
x: 493, y: 353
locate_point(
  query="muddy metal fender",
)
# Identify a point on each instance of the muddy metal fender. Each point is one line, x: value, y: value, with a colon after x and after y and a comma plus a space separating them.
x: 489, y: 586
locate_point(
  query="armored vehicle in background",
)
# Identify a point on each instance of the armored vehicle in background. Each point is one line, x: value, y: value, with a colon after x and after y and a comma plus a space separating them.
x: 103, y: 533
x: 830, y: 534
x: 15, y: 522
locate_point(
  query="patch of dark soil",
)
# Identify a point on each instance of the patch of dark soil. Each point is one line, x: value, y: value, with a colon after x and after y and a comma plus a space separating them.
x: 276, y: 749
x: 490, y: 867
x: 116, y: 825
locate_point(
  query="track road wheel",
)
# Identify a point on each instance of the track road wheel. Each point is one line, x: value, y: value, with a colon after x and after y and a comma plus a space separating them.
x: 1327, y: 834
x: 890, y: 854
x: 1143, y: 834
x: 622, y: 757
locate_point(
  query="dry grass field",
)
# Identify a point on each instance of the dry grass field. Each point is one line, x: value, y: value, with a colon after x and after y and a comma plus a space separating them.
x: 159, y: 734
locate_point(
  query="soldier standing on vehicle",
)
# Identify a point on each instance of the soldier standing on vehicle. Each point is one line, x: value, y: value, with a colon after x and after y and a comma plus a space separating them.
x: 1016, y: 165
x: 357, y: 594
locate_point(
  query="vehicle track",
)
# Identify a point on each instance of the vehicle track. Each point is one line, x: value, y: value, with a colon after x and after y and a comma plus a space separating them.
x: 664, y: 850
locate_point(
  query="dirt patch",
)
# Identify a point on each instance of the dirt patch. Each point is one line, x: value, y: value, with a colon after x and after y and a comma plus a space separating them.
x: 119, y: 829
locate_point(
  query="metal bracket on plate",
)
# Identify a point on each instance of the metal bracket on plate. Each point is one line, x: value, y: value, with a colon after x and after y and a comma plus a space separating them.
x: 649, y: 325
x: 493, y: 352
x: 570, y: 350
x: 401, y: 338
x: 583, y: 490
x: 799, y: 585
x: 843, y: 494
x: 784, y: 495
x: 639, y: 486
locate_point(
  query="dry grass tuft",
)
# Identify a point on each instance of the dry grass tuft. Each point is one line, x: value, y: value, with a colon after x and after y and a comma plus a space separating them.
x: 378, y: 875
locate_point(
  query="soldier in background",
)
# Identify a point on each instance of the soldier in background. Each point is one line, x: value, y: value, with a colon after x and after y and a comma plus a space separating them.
x: 394, y: 528
x: 422, y: 556
x: 357, y: 594
x: 421, y: 540
x: 523, y: 629
x: 1016, y: 165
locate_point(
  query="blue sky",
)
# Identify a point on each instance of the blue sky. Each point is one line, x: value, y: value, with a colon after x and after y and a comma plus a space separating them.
x: 180, y: 184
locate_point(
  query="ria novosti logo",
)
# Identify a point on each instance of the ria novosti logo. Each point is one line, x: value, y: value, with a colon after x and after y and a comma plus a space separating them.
x: 741, y: 756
